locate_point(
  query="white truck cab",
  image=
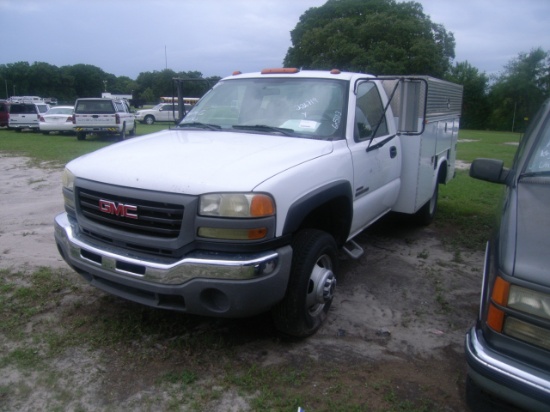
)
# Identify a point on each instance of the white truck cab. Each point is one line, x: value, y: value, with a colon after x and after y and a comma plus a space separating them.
x: 243, y: 207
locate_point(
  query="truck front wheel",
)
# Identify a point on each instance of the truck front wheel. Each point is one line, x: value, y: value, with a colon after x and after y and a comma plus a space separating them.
x: 311, y: 286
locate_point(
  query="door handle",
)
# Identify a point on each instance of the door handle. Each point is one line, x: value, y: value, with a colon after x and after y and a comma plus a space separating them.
x: 393, y: 151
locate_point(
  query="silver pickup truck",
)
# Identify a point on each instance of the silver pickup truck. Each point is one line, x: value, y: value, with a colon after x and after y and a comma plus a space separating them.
x: 103, y: 116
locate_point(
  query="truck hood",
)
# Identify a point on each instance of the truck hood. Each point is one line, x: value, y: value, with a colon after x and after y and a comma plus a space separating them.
x: 532, y: 259
x: 195, y: 162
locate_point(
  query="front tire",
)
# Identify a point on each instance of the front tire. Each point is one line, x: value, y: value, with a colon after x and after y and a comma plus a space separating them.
x: 149, y: 120
x: 311, y: 285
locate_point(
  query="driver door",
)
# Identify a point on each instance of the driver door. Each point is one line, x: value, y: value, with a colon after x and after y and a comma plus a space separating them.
x: 376, y: 156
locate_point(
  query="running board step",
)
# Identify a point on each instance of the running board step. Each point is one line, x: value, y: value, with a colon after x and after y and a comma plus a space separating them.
x: 353, y: 249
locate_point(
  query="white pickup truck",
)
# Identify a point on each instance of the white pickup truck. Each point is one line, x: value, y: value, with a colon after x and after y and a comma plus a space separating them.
x: 245, y: 205
x: 103, y: 116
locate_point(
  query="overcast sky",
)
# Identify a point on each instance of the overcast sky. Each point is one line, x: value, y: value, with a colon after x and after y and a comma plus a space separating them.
x: 217, y: 37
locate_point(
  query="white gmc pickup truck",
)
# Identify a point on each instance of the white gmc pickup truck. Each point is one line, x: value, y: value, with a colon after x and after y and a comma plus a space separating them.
x: 245, y: 205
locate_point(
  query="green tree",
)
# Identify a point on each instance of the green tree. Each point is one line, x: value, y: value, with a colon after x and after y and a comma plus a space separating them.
x: 88, y: 80
x: 152, y: 85
x: 374, y: 36
x: 17, y: 77
x: 519, y: 90
x: 123, y: 85
x: 475, y: 105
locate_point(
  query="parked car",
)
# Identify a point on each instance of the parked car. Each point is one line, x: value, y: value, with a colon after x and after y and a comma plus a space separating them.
x: 163, y: 112
x: 57, y: 119
x: 42, y: 107
x: 24, y: 116
x: 4, y: 113
x: 508, y: 349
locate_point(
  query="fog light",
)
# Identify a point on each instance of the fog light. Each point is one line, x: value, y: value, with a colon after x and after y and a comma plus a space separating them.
x: 232, y: 234
x: 527, y: 332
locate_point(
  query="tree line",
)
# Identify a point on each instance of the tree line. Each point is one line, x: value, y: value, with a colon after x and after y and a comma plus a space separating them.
x: 380, y: 37
x: 67, y: 83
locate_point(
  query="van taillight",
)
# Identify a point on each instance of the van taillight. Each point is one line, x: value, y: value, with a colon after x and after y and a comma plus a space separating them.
x: 73, y: 119
x: 117, y: 117
x: 41, y: 119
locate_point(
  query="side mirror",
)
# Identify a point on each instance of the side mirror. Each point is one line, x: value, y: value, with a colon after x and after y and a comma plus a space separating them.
x: 490, y: 170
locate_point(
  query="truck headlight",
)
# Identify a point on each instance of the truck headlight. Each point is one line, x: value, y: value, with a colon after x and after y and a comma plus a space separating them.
x: 68, y: 180
x: 68, y: 189
x: 242, y: 205
x: 529, y: 301
x: 527, y: 332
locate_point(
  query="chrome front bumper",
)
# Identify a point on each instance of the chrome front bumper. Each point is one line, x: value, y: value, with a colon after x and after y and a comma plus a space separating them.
x: 205, y: 283
x: 506, y: 377
x: 197, y: 265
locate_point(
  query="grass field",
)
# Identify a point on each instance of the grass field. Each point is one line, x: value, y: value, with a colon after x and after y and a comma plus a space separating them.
x: 60, y: 149
x: 468, y: 207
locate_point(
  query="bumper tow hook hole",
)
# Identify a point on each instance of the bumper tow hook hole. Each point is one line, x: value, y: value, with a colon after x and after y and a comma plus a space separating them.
x: 90, y: 256
x: 215, y: 300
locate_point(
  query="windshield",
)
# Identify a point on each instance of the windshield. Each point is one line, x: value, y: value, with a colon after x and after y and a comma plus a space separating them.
x: 300, y: 107
x: 60, y: 110
x: 539, y: 161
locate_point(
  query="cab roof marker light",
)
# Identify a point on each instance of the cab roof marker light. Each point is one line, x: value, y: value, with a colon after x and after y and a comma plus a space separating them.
x: 335, y: 71
x: 237, y: 72
x: 281, y: 70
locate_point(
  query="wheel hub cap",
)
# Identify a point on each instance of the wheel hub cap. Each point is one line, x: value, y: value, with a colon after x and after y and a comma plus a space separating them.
x: 325, y: 287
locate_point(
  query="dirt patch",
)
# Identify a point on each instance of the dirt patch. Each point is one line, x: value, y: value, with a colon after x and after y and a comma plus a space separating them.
x: 396, y: 327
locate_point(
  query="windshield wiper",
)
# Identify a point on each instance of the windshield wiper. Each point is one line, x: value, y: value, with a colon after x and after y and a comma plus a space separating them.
x: 264, y: 128
x: 200, y: 125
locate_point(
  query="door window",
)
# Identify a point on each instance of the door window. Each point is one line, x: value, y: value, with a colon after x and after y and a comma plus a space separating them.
x: 370, y: 120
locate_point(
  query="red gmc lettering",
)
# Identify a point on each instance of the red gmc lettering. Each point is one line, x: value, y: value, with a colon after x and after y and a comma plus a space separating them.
x: 120, y: 209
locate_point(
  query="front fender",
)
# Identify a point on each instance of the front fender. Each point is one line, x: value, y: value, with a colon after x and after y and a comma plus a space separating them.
x: 329, y: 207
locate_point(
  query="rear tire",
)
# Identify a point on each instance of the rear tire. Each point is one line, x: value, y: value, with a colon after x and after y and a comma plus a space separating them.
x: 81, y: 136
x: 133, y: 131
x: 426, y: 214
x: 122, y: 133
x: 311, y: 285
x: 149, y: 120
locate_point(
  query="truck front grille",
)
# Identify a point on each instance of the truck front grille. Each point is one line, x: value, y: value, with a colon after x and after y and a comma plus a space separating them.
x: 139, y: 216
